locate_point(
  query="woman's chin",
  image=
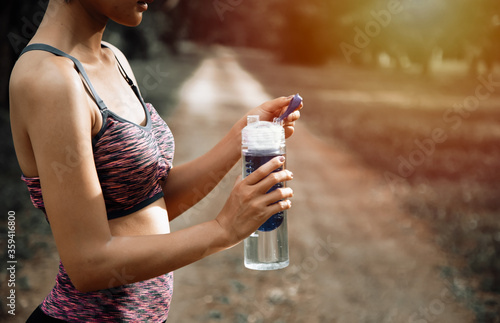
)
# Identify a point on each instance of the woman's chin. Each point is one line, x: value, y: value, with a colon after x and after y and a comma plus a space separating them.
x: 130, y: 22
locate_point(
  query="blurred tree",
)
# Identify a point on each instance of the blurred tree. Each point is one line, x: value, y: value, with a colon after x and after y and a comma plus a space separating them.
x: 5, y: 53
x: 452, y: 28
x: 18, y: 21
x: 306, y: 36
x: 481, y: 35
x: 176, y: 23
x: 302, y: 32
x: 298, y: 31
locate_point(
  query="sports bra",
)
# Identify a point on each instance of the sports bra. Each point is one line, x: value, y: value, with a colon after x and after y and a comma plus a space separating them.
x: 131, y: 160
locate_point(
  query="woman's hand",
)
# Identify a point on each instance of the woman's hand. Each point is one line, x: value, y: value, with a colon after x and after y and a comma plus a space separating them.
x: 249, y: 204
x: 274, y: 108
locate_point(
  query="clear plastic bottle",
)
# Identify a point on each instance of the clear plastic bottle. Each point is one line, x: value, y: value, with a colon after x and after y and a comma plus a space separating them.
x: 266, y: 248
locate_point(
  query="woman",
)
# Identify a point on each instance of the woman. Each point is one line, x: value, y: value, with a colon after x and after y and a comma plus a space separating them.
x: 98, y: 161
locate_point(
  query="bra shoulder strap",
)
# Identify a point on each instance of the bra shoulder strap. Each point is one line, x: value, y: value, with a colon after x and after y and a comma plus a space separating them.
x: 79, y: 67
x: 125, y: 76
x: 120, y: 67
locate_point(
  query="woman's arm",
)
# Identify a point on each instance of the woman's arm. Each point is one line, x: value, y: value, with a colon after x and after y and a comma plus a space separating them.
x: 188, y: 183
x: 50, y: 105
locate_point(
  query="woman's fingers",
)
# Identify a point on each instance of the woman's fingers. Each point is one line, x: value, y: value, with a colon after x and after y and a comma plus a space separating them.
x: 274, y: 178
x: 273, y: 202
x: 276, y: 106
x: 264, y: 170
x: 255, y: 199
x: 278, y: 195
x: 280, y: 206
x: 289, y: 124
x: 265, y: 178
x: 294, y: 116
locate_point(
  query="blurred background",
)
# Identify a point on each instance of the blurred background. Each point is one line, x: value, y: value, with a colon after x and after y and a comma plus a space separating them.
x: 396, y: 158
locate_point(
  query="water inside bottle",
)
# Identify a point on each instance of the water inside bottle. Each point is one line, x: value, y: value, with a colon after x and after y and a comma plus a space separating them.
x: 266, y: 248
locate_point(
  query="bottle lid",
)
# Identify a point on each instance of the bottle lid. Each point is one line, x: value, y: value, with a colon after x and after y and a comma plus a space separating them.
x: 294, y: 104
x: 262, y: 135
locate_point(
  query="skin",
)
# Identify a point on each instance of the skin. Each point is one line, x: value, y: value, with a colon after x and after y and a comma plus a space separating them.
x: 53, y: 121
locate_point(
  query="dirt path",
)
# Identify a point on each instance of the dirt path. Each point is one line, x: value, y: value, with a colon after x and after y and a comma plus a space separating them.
x: 355, y: 256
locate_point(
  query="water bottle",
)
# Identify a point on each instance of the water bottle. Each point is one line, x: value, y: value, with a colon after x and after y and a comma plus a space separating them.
x: 266, y: 248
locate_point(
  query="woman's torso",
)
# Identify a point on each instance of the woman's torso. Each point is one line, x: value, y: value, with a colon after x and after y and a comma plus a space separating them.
x: 116, y: 93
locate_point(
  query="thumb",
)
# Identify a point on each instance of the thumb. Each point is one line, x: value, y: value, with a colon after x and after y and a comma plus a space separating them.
x: 275, y: 107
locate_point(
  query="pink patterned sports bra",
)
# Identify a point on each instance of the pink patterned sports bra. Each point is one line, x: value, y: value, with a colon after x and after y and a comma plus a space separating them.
x: 131, y: 162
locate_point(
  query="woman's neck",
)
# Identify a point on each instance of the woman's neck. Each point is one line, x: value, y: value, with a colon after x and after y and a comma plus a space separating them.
x: 72, y: 28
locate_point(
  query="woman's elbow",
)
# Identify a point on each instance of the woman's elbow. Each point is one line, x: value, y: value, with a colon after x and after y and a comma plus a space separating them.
x: 88, y: 275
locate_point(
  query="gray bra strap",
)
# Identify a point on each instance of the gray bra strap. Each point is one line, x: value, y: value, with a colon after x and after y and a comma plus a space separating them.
x: 79, y: 67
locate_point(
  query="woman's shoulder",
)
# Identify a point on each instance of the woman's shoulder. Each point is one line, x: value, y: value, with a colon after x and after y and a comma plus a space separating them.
x: 41, y: 73
x: 39, y: 76
x: 47, y: 98
x: 46, y: 92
